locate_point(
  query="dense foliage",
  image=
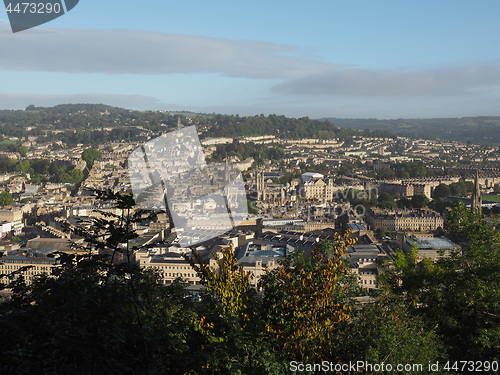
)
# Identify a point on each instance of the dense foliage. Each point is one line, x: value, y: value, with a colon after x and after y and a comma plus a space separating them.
x: 6, y: 198
x: 89, y: 124
x: 90, y: 155
x: 283, y: 127
x: 460, y: 294
x: 43, y: 170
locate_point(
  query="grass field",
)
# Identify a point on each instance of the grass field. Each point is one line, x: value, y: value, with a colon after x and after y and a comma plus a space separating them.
x: 491, y: 198
x: 6, y: 141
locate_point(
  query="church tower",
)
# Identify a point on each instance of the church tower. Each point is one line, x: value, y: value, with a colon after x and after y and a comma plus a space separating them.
x: 476, y: 195
x: 261, y: 186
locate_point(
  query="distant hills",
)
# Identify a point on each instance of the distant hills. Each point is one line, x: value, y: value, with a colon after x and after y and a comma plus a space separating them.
x: 480, y: 130
x: 99, y: 122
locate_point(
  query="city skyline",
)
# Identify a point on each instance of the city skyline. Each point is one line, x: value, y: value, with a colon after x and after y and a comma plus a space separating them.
x: 320, y: 59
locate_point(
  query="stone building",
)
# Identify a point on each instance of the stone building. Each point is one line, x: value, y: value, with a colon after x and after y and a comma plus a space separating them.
x: 404, y: 220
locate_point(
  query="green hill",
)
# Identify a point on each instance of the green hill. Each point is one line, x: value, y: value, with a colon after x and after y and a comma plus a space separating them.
x: 480, y: 130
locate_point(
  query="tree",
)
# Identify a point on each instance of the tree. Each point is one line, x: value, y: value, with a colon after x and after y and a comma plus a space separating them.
x: 228, y: 286
x: 404, y: 202
x: 23, y: 150
x: 385, y: 331
x: 442, y: 191
x: 6, y: 199
x: 381, y: 232
x: 236, y: 339
x: 74, y: 176
x: 15, y: 239
x: 90, y: 155
x: 459, y: 294
x: 23, y: 166
x: 419, y: 201
x: 305, y: 300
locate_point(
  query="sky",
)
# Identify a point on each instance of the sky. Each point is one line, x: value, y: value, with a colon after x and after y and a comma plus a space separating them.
x: 346, y: 59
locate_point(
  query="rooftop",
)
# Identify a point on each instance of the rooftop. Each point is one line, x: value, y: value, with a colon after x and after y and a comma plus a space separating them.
x: 431, y: 243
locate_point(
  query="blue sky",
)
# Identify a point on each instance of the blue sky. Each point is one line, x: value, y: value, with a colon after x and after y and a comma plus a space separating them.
x: 355, y: 59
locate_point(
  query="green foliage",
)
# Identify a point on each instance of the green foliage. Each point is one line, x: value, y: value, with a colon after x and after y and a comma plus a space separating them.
x: 90, y: 155
x: 304, y: 301
x: 6, y: 199
x: 74, y: 176
x: 227, y: 284
x: 419, y: 201
x: 43, y: 170
x: 23, y: 166
x: 385, y: 200
x: 252, y: 208
x: 461, y: 188
x: 284, y: 127
x: 385, y: 331
x: 442, y: 191
x: 23, y: 150
x: 403, y: 170
x: 381, y: 232
x: 460, y: 294
x: 365, y: 198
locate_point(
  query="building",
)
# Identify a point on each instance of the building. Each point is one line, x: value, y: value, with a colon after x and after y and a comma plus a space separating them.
x: 5, y: 229
x: 318, y: 188
x: 312, y: 176
x: 28, y: 263
x: 169, y: 260
x: 430, y: 247
x: 364, y: 261
x: 55, y: 244
x: 257, y: 256
x: 394, y: 188
x: 404, y: 220
x: 15, y: 218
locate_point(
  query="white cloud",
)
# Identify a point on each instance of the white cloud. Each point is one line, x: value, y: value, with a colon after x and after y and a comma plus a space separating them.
x: 359, y: 82
x: 148, y: 53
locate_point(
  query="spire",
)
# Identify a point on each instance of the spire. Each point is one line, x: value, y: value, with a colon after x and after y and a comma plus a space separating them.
x: 476, y: 195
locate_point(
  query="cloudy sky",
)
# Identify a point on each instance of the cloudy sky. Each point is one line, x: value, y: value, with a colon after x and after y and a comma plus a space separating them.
x: 354, y: 59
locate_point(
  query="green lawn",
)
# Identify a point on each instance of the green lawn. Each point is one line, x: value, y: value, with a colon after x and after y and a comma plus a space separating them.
x: 6, y: 141
x: 491, y: 198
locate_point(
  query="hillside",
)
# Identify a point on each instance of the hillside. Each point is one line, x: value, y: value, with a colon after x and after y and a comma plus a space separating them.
x: 90, y: 123
x: 97, y: 123
x: 480, y: 130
